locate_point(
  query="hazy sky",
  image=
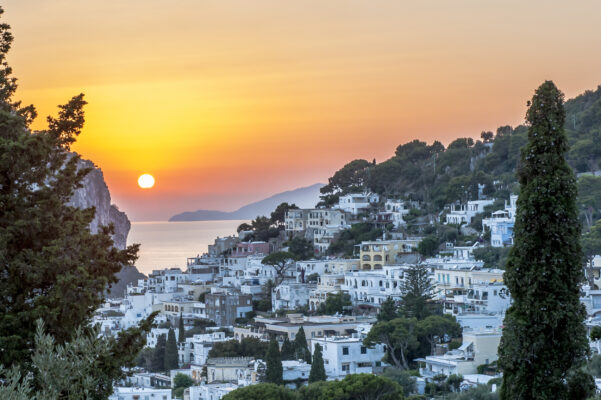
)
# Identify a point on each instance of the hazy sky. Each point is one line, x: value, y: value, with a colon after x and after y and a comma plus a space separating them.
x: 225, y: 102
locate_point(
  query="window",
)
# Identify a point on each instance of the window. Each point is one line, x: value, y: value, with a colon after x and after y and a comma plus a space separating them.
x: 363, y: 350
x: 345, y: 351
x: 346, y: 367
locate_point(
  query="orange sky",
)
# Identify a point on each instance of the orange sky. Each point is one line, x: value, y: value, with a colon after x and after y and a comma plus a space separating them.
x: 225, y: 102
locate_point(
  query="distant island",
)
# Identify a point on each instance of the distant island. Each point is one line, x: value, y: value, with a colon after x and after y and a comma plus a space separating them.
x: 305, y: 197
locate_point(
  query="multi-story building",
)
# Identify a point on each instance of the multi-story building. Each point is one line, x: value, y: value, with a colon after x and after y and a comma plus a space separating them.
x: 296, y: 220
x: 344, y: 355
x: 460, y: 286
x: 222, y: 245
x: 501, y: 224
x: 225, y: 306
x: 394, y: 213
x: 195, y: 349
x: 326, y: 266
x: 137, y: 393
x: 479, y: 347
x: 376, y: 254
x: 355, y: 203
x: 372, y: 288
x: 245, y: 249
x: 290, y: 295
x: 327, y: 284
x: 464, y: 212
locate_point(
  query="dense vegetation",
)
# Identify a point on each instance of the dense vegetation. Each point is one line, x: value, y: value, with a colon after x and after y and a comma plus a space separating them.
x: 544, y: 337
x: 438, y: 176
x: 53, y: 269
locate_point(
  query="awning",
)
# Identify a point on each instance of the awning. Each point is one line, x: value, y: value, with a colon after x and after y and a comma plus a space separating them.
x: 464, y: 346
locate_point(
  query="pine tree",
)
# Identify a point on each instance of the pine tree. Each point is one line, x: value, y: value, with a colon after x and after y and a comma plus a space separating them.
x: 287, y: 350
x: 158, y: 359
x: 301, y: 349
x: 52, y: 267
x: 544, y: 335
x: 274, y: 370
x: 388, y: 310
x: 171, y: 356
x: 417, y: 294
x: 318, y: 371
x: 182, y: 329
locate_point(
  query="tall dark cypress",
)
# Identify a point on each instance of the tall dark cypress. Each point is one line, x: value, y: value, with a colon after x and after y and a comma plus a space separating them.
x: 171, y: 353
x: 544, y: 335
x: 318, y: 371
x: 181, y: 338
x: 274, y: 372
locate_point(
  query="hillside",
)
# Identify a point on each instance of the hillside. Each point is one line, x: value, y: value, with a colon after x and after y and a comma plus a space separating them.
x: 305, y: 197
x: 437, y: 176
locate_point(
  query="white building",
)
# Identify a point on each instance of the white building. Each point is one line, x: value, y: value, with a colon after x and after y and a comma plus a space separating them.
x: 195, y: 350
x: 501, y: 224
x: 478, y: 348
x: 345, y: 355
x: 140, y: 393
x: 212, y: 391
x: 327, y: 284
x: 325, y: 266
x: 295, y: 371
x: 355, y: 203
x: 463, y: 213
x: 394, y: 213
x: 291, y: 295
x: 373, y: 287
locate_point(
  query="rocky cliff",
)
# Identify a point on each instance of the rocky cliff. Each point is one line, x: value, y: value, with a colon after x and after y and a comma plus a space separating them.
x: 95, y: 193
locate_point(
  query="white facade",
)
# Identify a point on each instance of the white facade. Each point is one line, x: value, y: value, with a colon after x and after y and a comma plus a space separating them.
x: 355, y: 203
x: 326, y: 266
x: 478, y: 347
x: 213, y: 391
x: 289, y: 296
x: 347, y: 355
x: 463, y: 213
x: 139, y: 393
x: 195, y: 350
x: 374, y: 287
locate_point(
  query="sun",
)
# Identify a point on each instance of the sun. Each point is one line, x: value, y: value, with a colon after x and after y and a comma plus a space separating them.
x: 146, y: 181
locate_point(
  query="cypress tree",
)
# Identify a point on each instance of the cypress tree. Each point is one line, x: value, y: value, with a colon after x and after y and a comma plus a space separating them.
x: 318, y: 371
x: 182, y: 331
x: 274, y: 371
x: 158, y: 358
x: 287, y: 350
x: 544, y: 335
x: 171, y: 356
x: 301, y: 349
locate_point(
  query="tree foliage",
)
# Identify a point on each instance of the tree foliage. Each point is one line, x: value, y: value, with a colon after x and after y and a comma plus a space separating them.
x: 262, y: 391
x: 247, y: 347
x: 301, y: 349
x: 171, y: 355
x: 417, y: 293
x: 301, y: 248
x: 85, y: 367
x: 274, y: 370
x: 318, y: 371
x: 52, y: 266
x: 158, y: 359
x: 544, y: 336
x: 278, y: 216
x: 280, y: 261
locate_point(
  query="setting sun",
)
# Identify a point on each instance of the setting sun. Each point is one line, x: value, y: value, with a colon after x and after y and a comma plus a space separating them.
x: 146, y: 181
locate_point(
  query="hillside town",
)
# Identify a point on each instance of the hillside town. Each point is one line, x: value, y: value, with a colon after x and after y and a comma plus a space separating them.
x: 218, y: 316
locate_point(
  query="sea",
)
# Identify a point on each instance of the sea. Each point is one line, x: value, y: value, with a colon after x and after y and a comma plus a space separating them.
x: 168, y: 244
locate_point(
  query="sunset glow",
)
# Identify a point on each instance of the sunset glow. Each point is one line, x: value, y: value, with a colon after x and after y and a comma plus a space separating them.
x: 232, y: 101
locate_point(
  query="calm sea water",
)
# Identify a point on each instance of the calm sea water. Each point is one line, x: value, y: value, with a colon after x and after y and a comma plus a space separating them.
x: 168, y: 244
